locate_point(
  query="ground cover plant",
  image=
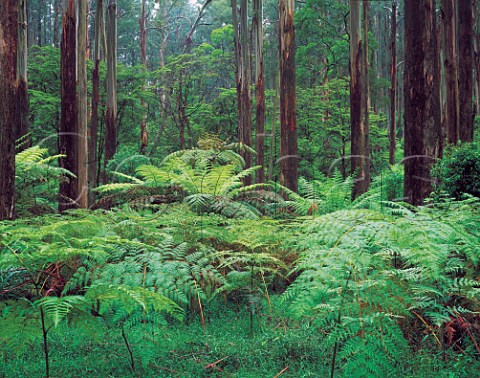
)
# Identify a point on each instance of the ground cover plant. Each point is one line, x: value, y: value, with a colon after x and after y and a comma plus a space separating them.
x: 376, y: 291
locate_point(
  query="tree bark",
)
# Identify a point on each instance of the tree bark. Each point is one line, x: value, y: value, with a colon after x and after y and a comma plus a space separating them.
x: 476, y: 57
x: 69, y: 113
x: 421, y: 94
x: 242, y: 76
x: 39, y: 22
x: 288, y: 111
x: 357, y: 126
x: 366, y: 100
x: 273, y: 133
x: 111, y: 116
x: 143, y: 60
x: 465, y: 69
x: 93, y: 132
x: 82, y: 129
x: 392, y: 132
x: 245, y: 100
x: 9, y: 112
x: 56, y: 22
x: 259, y: 89
x: 443, y: 86
x: 182, y: 113
x: 22, y: 87
x: 451, y: 69
x: 161, y: 89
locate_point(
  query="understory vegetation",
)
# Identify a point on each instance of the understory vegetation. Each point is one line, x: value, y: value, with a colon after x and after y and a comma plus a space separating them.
x: 189, y: 273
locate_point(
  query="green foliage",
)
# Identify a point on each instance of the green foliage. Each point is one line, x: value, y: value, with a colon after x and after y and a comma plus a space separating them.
x: 320, y: 196
x: 37, y: 179
x: 222, y: 38
x: 458, y: 172
x: 366, y: 276
x: 210, y: 178
x: 370, y: 287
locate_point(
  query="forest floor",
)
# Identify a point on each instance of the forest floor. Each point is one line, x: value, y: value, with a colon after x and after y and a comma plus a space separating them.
x: 233, y: 343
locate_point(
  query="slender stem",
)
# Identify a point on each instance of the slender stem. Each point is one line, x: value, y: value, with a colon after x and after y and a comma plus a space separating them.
x: 132, y: 361
x: 45, y: 343
x: 339, y: 317
x: 251, y: 301
x: 202, y: 317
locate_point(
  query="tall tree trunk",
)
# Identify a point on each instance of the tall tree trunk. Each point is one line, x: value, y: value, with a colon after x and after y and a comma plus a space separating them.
x: 238, y: 64
x: 476, y: 56
x: 161, y: 89
x: 56, y: 22
x: 161, y: 82
x: 182, y: 113
x: 143, y: 60
x: 22, y: 89
x: 259, y: 88
x: 273, y: 133
x: 242, y: 76
x: 68, y: 118
x: 451, y: 70
x: 111, y: 116
x: 288, y: 108
x: 245, y: 126
x: 421, y: 94
x: 443, y: 86
x: 9, y: 111
x: 392, y: 132
x: 46, y: 22
x: 30, y: 26
x: 39, y: 22
x: 82, y: 129
x: 357, y: 126
x: 93, y: 132
x: 465, y: 69
x: 366, y: 99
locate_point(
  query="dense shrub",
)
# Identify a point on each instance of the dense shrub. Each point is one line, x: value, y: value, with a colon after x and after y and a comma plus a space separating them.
x: 459, y: 171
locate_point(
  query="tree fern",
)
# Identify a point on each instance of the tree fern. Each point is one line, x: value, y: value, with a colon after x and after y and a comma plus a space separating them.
x: 210, y: 179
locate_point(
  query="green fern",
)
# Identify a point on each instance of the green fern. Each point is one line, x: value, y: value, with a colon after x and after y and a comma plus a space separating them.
x: 363, y: 272
x: 210, y: 179
x: 36, y: 180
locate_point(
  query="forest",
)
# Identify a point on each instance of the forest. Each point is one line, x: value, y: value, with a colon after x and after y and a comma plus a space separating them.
x: 234, y: 188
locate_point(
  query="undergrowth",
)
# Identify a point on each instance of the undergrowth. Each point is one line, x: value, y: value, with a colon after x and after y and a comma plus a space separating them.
x: 373, y: 289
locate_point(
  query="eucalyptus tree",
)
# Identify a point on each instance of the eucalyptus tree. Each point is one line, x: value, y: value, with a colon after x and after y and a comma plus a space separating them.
x: 359, y: 155
x: 242, y: 76
x: 81, y: 147
x: 476, y: 44
x: 465, y: 69
x: 111, y: 111
x: 69, y: 111
x: 143, y: 60
x: 288, y: 107
x: 422, y: 98
x: 99, y: 46
x: 22, y: 91
x: 449, y: 13
x: 9, y: 111
x: 364, y: 185
x: 392, y: 130
x: 259, y: 88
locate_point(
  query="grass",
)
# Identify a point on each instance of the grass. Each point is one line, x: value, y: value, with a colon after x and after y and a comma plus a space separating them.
x: 278, y: 347
x: 223, y: 349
